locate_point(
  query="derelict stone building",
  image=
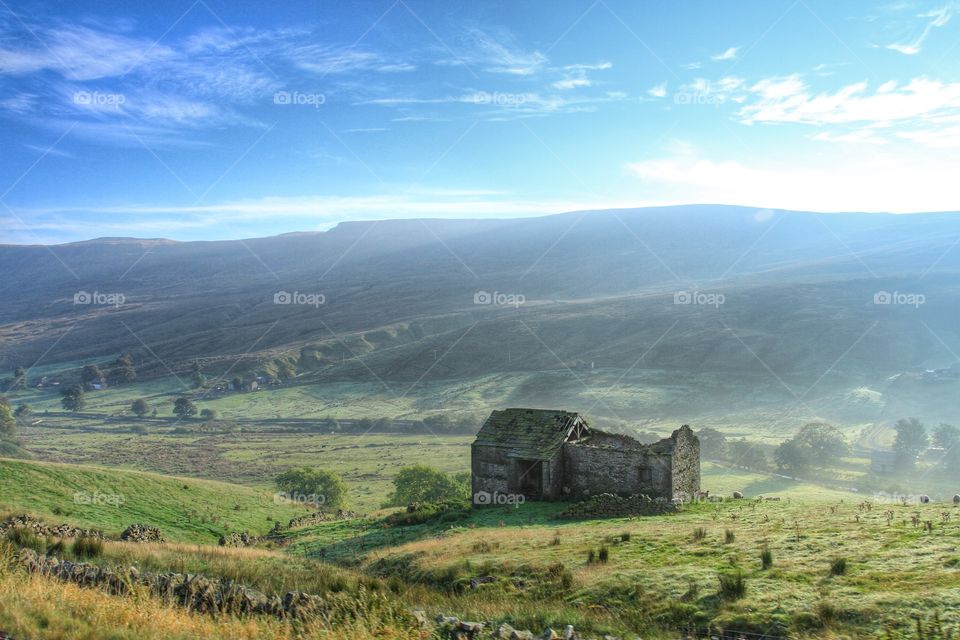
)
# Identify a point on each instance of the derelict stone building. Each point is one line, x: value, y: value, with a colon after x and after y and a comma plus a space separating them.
x: 545, y: 454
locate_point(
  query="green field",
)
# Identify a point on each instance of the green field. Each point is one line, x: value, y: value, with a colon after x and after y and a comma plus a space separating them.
x: 185, y: 510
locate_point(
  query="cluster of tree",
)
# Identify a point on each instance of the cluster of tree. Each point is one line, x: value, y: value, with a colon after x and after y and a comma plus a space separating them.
x: 741, y: 452
x: 817, y: 444
x: 435, y: 424
x: 417, y: 484
x: 912, y: 440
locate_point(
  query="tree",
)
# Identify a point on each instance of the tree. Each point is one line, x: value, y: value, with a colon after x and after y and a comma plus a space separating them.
x: 8, y: 423
x: 947, y: 436
x: 421, y: 483
x: 23, y: 411
x: 313, y: 486
x: 911, y: 441
x: 237, y: 384
x: 793, y: 455
x: 91, y: 374
x: 123, y: 370
x: 713, y: 444
x: 183, y: 408
x: 19, y: 380
x: 198, y: 380
x: 824, y: 442
x: 209, y: 414
x: 72, y: 398
x: 140, y: 407
x: 748, y: 455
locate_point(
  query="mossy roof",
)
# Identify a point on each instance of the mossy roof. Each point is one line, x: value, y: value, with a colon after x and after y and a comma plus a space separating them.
x: 530, y: 434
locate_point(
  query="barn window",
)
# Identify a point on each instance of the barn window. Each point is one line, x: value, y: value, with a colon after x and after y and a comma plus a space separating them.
x: 646, y: 474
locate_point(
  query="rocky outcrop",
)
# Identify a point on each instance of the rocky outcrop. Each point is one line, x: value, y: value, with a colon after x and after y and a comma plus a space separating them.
x: 608, y: 505
x: 57, y: 531
x: 141, y: 533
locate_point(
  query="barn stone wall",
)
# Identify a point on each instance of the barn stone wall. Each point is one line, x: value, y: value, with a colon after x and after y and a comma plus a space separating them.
x: 686, y: 463
x: 490, y: 470
x: 605, y: 464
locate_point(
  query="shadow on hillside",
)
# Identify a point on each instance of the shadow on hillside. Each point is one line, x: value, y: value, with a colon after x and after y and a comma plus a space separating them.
x: 362, y: 538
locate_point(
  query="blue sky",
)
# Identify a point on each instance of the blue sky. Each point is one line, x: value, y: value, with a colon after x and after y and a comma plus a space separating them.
x: 209, y: 119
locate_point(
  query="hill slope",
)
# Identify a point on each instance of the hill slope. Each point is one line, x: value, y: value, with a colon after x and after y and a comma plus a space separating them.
x: 184, y: 509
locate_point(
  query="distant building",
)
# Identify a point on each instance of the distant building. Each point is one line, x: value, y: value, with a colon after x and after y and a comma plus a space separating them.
x: 546, y: 454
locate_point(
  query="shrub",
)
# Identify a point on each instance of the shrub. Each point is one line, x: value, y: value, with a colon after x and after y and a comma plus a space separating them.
x: 87, y: 547
x: 699, y: 534
x: 729, y: 536
x: 25, y: 539
x: 838, y: 567
x: 766, y: 559
x: 556, y: 540
x: 591, y: 556
x: 733, y: 585
x: 625, y: 536
x: 604, y: 554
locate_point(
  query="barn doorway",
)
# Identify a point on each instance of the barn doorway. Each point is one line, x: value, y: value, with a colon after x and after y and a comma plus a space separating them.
x: 530, y: 478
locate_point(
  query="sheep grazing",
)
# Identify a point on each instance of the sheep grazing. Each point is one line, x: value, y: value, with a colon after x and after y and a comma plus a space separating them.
x: 737, y: 495
x: 924, y: 499
x: 956, y: 499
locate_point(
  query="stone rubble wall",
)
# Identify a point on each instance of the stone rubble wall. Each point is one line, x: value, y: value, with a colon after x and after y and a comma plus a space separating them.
x: 194, y: 592
x: 43, y: 530
x: 609, y: 505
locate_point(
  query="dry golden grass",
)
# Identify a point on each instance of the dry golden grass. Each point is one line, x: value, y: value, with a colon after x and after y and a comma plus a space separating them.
x: 42, y: 609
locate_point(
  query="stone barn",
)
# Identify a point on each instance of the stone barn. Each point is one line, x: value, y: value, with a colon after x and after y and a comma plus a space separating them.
x: 545, y: 454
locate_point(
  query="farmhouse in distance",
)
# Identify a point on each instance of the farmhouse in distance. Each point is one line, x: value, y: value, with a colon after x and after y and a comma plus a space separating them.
x: 545, y: 454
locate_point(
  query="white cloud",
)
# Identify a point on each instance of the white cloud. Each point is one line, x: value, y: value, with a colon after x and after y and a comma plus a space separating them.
x: 789, y: 100
x: 658, y: 91
x: 938, y: 18
x: 729, y: 54
x: 877, y: 181
x: 571, y: 83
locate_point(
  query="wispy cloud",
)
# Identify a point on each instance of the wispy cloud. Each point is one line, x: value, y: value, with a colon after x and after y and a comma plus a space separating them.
x: 790, y: 100
x: 729, y: 54
x: 935, y: 19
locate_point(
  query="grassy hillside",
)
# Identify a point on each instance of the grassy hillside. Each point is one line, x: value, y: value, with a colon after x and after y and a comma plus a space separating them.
x: 184, y: 509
